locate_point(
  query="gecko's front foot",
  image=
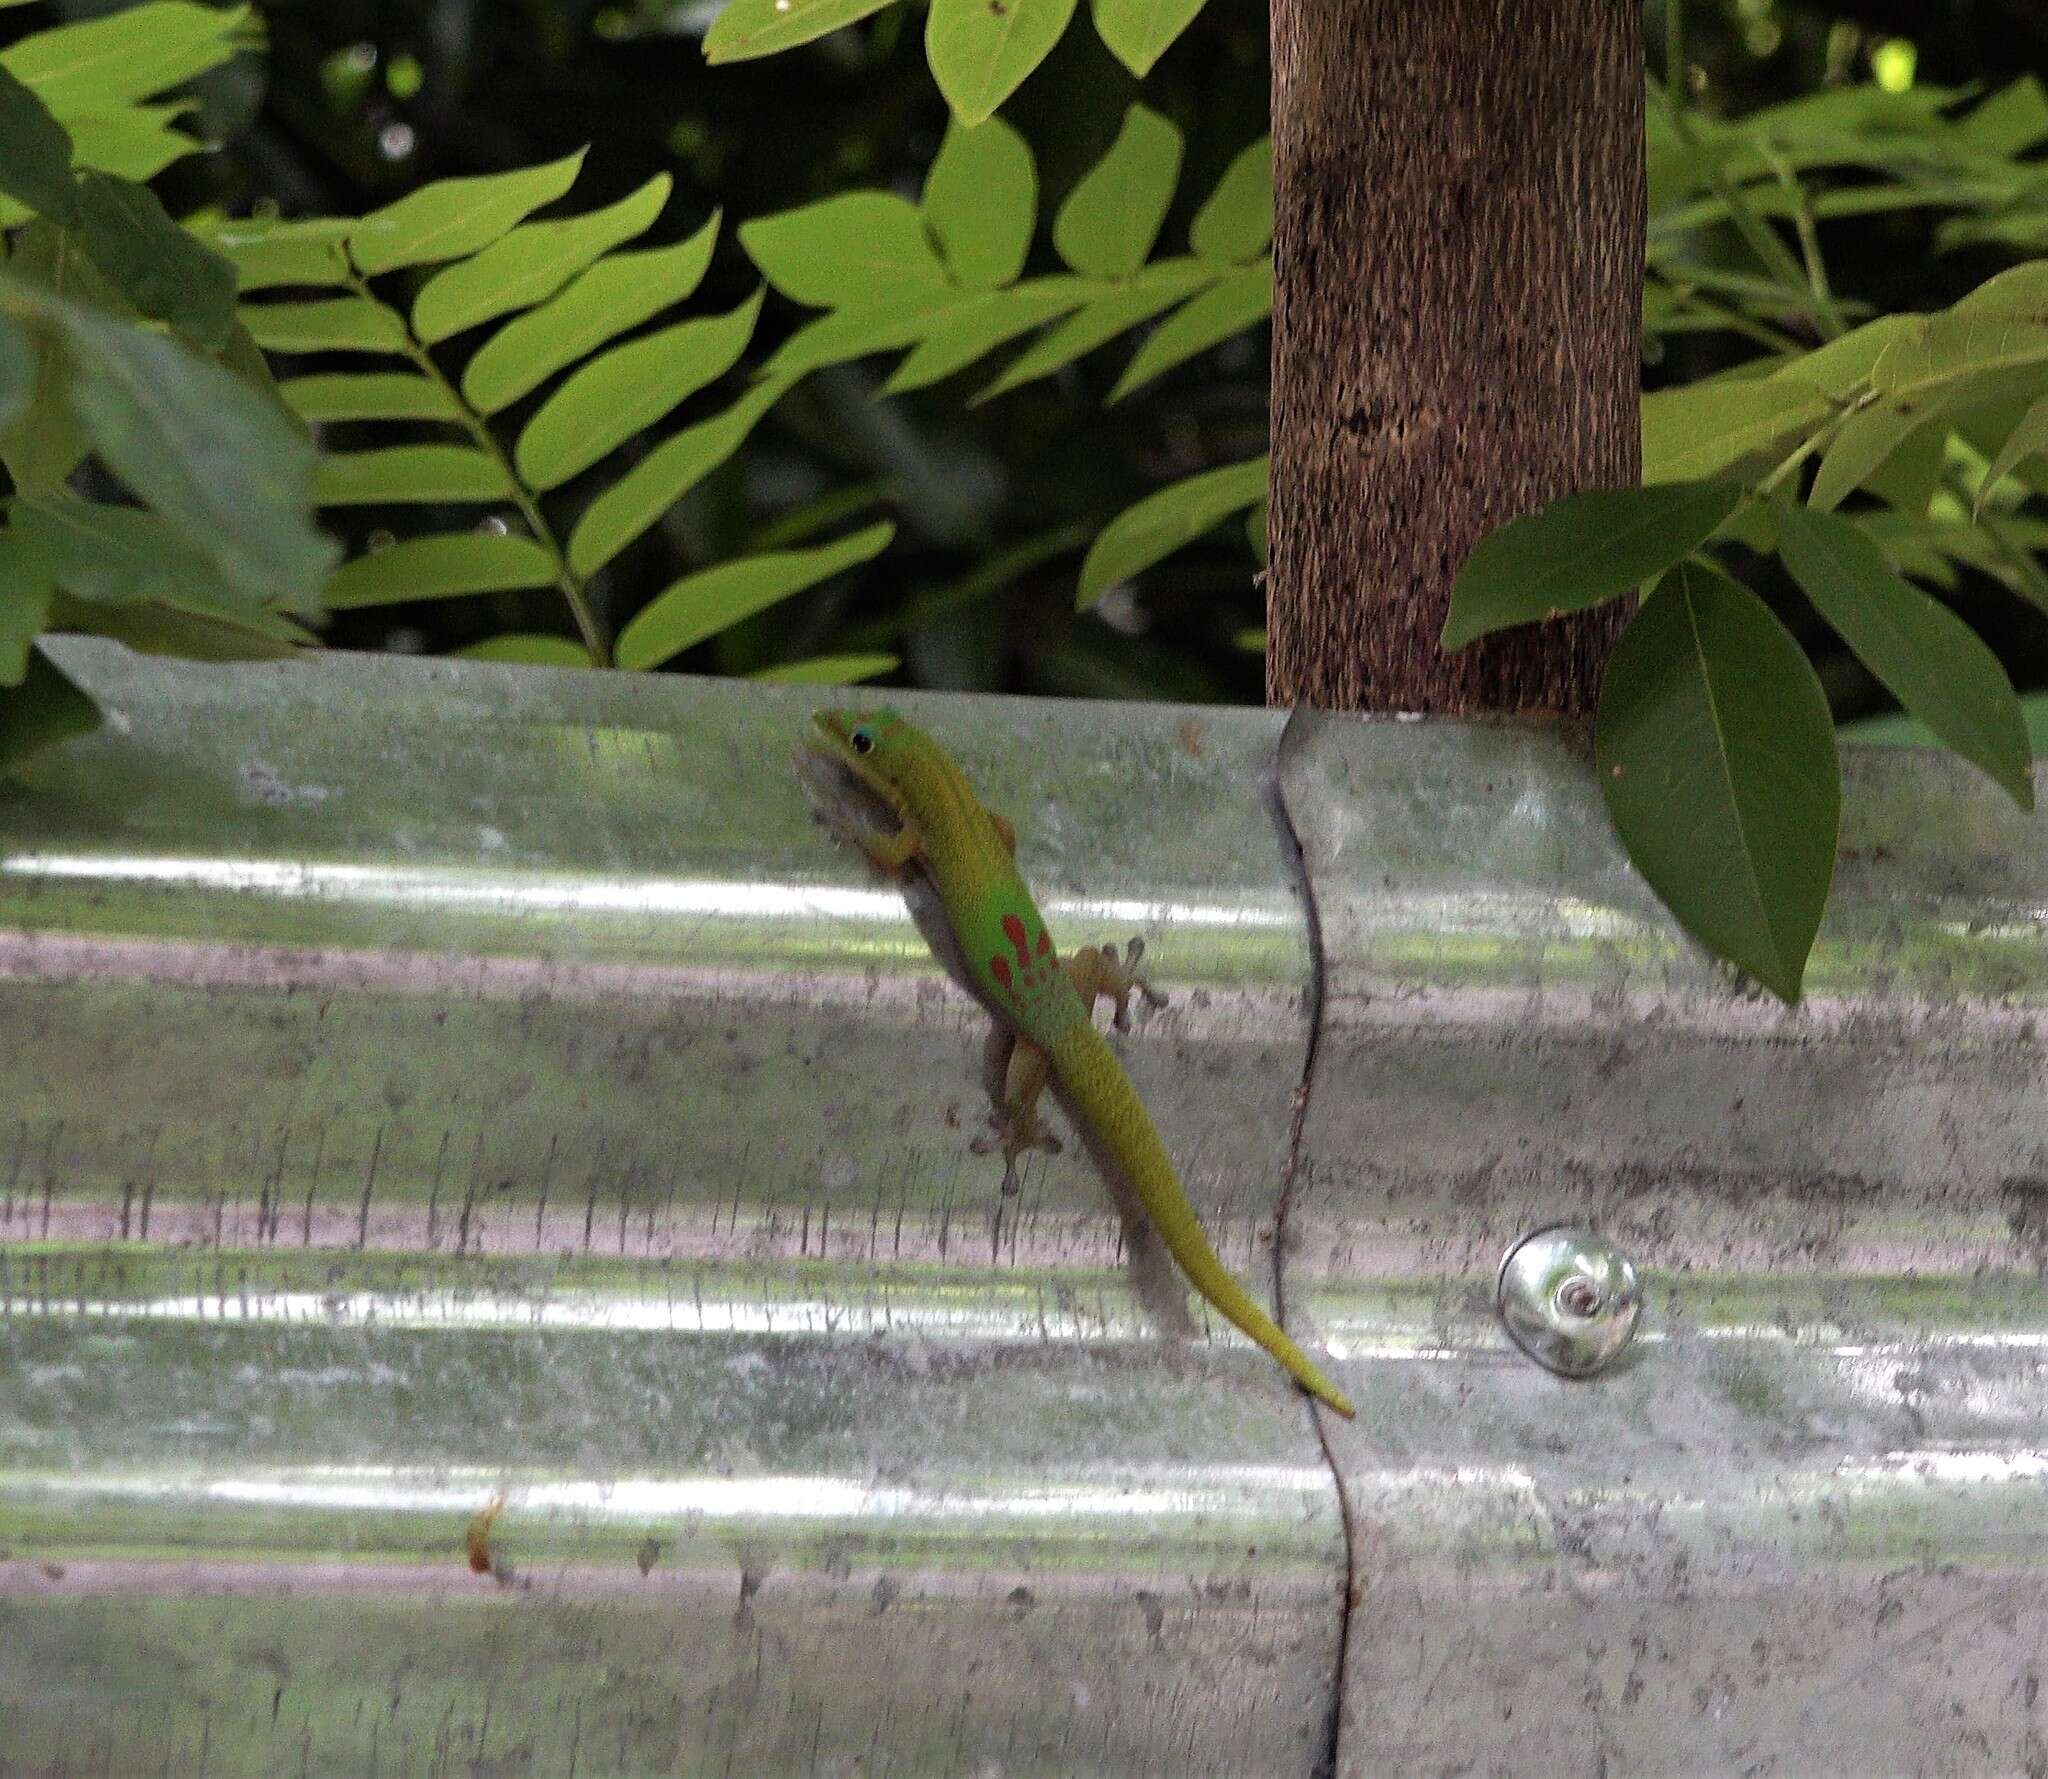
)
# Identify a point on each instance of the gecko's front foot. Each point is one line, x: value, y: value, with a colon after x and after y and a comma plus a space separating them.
x: 1098, y: 971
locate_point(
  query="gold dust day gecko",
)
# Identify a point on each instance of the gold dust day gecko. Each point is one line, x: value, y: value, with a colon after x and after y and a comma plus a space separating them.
x: 969, y: 855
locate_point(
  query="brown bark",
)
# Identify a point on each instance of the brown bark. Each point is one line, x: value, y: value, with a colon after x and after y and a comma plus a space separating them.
x: 1458, y: 257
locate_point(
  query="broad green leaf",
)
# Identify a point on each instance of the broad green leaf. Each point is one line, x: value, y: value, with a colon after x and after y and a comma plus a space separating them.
x: 1235, y: 222
x: 2020, y: 293
x: 1699, y: 430
x: 402, y: 473
x: 616, y: 294
x: 455, y: 217
x: 101, y: 64
x: 112, y: 555
x: 981, y: 202
x: 222, y: 632
x: 988, y: 320
x: 628, y: 389
x: 266, y: 255
x: 440, y: 568
x: 1717, y: 758
x: 25, y: 591
x: 1112, y: 216
x: 47, y: 441
x: 981, y: 53
x: 828, y: 670
x: 331, y: 324
x: 160, y: 270
x: 1158, y: 287
x: 2028, y: 438
x: 749, y: 28
x: 1581, y: 551
x: 1161, y: 523
x: 371, y: 395
x: 1899, y: 730
x: 2010, y: 121
x: 531, y: 264
x: 847, y: 334
x: 1240, y: 299
x: 1139, y: 31
x: 661, y: 478
x: 43, y: 710
x: 1862, y: 445
x: 1933, y: 663
x: 137, y: 143
x: 528, y: 651
x: 19, y: 371
x: 701, y: 605
x: 221, y: 461
x: 860, y: 248
x: 35, y: 153
x: 1945, y: 349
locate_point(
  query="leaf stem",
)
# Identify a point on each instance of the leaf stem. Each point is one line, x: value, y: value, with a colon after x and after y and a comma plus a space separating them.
x: 1817, y: 440
x: 566, y: 582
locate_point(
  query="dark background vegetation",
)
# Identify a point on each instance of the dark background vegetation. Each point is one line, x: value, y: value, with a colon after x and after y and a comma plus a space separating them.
x: 361, y: 100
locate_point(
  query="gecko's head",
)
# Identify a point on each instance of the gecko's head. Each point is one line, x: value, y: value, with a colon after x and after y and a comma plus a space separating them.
x: 874, y: 745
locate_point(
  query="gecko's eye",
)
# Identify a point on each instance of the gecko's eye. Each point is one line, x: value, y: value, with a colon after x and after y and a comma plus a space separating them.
x: 862, y: 741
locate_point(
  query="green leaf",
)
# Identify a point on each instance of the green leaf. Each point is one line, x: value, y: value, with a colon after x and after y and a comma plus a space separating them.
x: 828, y: 670
x: 1255, y: 532
x: 980, y: 54
x: 628, y: 389
x: 370, y: 395
x: 822, y: 514
x: 981, y: 202
x: 1700, y: 429
x: 2028, y: 438
x: 530, y: 264
x: 1947, y: 348
x: 445, y: 567
x: 333, y: 324
x: 1162, y: 522
x: 1240, y: 299
x: 220, y: 460
x: 221, y: 632
x: 1158, y: 287
x: 46, y: 442
x: 266, y: 254
x: 1581, y: 551
x: 1235, y: 221
x: 1933, y: 663
x: 35, y: 153
x: 855, y: 333
x: 1899, y: 730
x: 25, y: 591
x: 19, y: 370
x: 616, y: 294
x: 455, y: 217
x: 661, y: 478
x: 1113, y: 215
x: 858, y: 249
x: 985, y: 321
x: 1139, y: 31
x: 137, y: 143
x: 528, y: 651
x: 701, y: 605
x: 2010, y: 121
x: 401, y: 473
x: 102, y: 64
x: 42, y: 711
x: 113, y: 555
x: 749, y: 28
x: 159, y: 269
x: 1863, y: 444
x: 1717, y: 758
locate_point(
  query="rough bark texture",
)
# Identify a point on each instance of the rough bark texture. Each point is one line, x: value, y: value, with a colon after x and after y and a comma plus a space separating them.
x: 1458, y: 248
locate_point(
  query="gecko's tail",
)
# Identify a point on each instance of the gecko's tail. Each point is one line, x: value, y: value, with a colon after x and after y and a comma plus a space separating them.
x: 1112, y: 1114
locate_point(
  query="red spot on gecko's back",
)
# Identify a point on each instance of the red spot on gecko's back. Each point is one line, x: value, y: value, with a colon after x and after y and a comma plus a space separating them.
x: 1000, y: 965
x: 1044, y: 943
x: 1013, y: 930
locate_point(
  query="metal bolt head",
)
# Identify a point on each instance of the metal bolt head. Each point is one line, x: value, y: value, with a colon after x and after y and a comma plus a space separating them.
x: 1569, y: 1298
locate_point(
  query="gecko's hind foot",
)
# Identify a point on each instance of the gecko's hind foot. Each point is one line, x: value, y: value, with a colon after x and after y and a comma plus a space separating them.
x: 1121, y: 980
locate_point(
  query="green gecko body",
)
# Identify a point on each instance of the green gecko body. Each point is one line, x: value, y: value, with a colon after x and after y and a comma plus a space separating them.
x: 968, y: 854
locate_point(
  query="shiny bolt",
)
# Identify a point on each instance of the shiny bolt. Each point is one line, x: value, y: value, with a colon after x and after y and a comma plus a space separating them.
x: 1569, y: 1299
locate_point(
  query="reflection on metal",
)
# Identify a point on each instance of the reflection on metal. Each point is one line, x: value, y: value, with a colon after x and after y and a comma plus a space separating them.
x: 1569, y: 1299
x: 427, y: 1086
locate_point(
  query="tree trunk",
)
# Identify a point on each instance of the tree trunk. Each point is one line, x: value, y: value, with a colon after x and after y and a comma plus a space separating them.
x: 1458, y: 259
